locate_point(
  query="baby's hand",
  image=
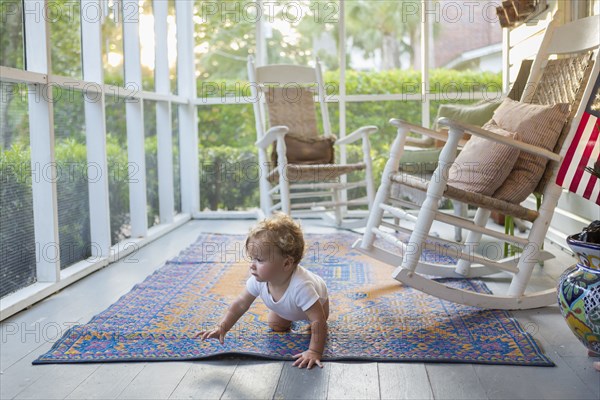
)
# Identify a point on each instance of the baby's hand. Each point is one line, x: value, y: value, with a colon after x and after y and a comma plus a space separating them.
x: 218, y: 333
x: 308, y: 359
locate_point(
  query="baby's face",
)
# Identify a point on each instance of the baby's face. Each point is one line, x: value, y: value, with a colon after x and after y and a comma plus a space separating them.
x: 266, y: 261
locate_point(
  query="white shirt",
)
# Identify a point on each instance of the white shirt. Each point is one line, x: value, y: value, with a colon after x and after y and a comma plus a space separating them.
x: 304, y: 290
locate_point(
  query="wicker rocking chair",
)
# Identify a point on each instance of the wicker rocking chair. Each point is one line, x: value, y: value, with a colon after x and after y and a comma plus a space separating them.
x: 301, y: 177
x: 561, y: 82
x: 421, y: 154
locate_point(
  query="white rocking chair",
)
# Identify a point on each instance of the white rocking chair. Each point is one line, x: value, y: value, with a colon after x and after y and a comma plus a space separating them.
x: 284, y: 95
x: 567, y: 79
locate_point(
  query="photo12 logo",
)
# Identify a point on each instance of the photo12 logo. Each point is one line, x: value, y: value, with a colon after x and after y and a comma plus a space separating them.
x: 70, y: 11
x: 268, y: 11
x: 450, y: 11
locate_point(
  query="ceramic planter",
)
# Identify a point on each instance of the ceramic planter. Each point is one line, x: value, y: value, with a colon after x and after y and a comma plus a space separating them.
x: 579, y: 293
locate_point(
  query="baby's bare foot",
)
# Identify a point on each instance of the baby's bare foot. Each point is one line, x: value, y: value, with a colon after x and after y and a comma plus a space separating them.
x: 596, y: 363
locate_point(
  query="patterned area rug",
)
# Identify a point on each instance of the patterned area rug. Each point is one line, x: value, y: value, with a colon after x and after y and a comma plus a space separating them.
x: 373, y: 317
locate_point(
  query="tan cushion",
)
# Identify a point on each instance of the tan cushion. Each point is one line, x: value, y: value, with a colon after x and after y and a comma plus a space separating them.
x: 483, y: 165
x: 307, y: 150
x: 294, y: 107
x: 534, y: 124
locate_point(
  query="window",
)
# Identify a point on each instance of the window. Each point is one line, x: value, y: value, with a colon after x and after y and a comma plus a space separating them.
x: 17, y: 240
x: 112, y: 43
x: 72, y: 176
x: 151, y: 152
x: 119, y: 169
x: 383, y: 46
x: 65, y: 37
x: 11, y: 34
x: 465, y: 48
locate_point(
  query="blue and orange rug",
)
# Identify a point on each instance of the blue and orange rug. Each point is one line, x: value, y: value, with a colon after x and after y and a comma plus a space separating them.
x: 373, y: 317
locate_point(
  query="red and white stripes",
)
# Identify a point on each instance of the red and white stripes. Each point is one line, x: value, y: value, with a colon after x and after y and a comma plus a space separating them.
x: 583, y: 152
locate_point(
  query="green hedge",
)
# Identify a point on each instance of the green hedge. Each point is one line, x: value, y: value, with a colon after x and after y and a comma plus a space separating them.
x: 228, y: 177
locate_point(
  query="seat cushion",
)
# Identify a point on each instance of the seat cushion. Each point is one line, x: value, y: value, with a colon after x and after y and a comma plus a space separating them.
x: 534, y: 124
x: 314, y: 173
x: 307, y: 150
x: 419, y: 160
x: 483, y: 165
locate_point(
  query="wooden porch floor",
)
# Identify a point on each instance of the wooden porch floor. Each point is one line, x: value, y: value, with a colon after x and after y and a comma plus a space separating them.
x: 30, y: 333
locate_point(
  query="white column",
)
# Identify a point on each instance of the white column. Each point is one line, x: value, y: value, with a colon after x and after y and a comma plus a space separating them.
x: 95, y: 128
x: 164, y: 130
x: 342, y: 96
x: 425, y: 57
x: 41, y: 131
x: 342, y: 88
x: 188, y: 127
x: 261, y: 41
x: 135, y: 121
x: 505, y: 61
x: 263, y: 159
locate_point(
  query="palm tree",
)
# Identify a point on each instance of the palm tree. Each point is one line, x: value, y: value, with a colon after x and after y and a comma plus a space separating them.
x: 385, y: 26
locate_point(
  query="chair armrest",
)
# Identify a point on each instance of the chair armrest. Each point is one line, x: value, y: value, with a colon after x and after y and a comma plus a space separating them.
x: 357, y: 134
x: 272, y: 135
x: 473, y: 130
x: 398, y: 123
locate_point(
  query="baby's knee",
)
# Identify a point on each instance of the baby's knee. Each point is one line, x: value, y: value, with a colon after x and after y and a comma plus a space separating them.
x: 278, y: 327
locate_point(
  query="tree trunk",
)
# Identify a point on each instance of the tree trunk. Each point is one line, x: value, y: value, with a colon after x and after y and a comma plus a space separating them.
x: 414, y: 37
x: 7, y: 94
x: 390, y: 53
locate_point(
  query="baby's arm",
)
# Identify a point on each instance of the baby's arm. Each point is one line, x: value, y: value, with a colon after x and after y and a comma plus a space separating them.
x: 318, y: 326
x: 236, y: 310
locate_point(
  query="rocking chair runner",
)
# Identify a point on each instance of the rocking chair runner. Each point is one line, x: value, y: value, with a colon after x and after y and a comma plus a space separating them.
x: 302, y: 177
x: 551, y: 82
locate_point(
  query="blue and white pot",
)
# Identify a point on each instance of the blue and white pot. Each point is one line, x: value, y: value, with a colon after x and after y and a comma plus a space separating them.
x: 579, y: 293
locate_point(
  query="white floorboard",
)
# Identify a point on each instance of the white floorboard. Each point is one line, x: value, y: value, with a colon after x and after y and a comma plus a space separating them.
x: 205, y: 380
x: 120, y: 376
x: 302, y: 383
x: 404, y: 381
x: 58, y: 381
x: 560, y: 382
x: 155, y: 381
x: 449, y: 381
x: 22, y: 374
x: 253, y: 380
x: 353, y: 381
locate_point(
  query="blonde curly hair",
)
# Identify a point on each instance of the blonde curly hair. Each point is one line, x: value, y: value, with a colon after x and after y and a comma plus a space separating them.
x: 281, y: 231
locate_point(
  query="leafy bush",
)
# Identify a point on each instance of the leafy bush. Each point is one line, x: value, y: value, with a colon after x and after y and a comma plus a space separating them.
x: 228, y: 177
x: 73, y: 201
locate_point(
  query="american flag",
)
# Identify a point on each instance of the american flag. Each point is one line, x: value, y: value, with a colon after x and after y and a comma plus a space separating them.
x: 583, y: 152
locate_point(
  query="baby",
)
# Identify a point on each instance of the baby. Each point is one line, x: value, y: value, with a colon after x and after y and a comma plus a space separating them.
x: 292, y: 293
